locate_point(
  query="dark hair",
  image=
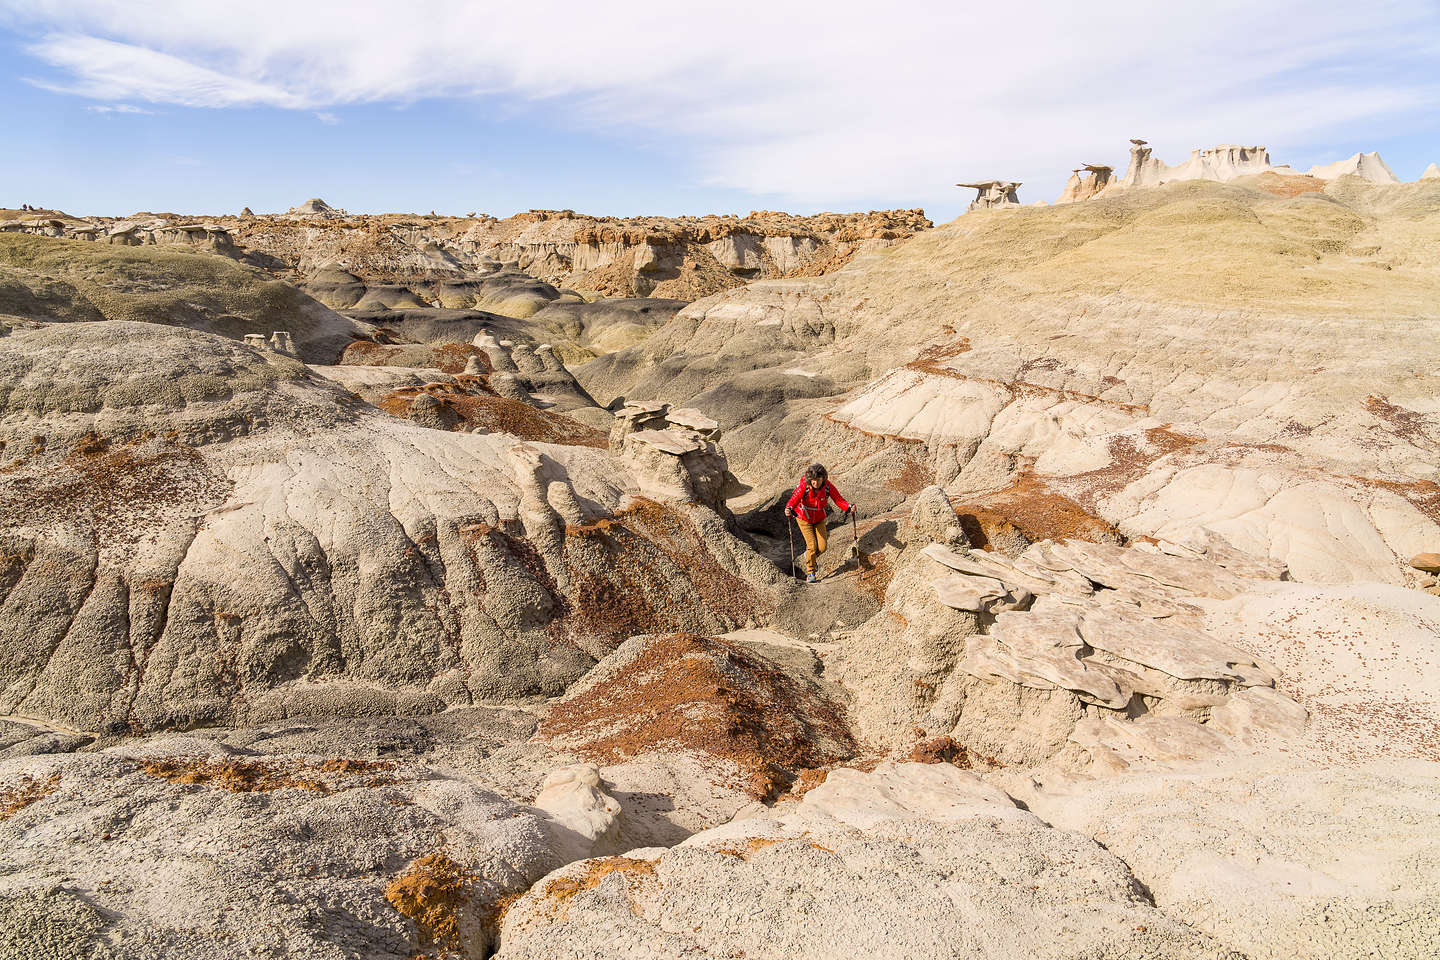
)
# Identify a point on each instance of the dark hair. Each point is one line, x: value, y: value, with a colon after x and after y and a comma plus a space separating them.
x: 816, y: 472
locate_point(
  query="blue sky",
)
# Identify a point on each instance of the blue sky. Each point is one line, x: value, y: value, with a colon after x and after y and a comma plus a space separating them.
x: 629, y: 108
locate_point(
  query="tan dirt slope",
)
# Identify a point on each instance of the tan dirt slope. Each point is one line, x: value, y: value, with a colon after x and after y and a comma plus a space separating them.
x: 54, y: 279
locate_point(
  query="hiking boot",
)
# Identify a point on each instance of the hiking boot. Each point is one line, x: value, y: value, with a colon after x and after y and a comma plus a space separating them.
x: 809, y: 578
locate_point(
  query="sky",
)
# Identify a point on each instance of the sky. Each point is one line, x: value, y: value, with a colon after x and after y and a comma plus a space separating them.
x: 116, y: 106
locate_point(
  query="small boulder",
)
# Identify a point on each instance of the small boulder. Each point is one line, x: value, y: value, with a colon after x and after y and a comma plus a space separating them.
x: 575, y: 799
x: 692, y: 419
x: 932, y: 519
x: 1428, y: 562
x: 427, y: 411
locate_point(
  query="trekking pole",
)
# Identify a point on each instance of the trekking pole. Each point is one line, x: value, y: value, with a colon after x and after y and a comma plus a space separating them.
x: 854, y: 536
x: 790, y: 528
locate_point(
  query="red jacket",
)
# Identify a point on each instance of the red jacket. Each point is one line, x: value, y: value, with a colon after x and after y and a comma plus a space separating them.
x: 812, y: 502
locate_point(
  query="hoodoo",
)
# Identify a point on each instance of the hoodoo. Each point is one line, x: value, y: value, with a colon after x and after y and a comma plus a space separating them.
x: 992, y: 194
x: 1095, y: 179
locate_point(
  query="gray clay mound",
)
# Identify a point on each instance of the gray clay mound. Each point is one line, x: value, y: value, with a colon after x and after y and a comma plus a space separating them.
x: 265, y: 544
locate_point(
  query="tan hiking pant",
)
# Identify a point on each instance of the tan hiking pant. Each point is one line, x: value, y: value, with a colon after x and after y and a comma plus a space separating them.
x: 815, y: 543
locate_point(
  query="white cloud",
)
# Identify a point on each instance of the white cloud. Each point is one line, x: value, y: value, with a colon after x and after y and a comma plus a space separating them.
x: 327, y: 118
x: 116, y: 108
x: 109, y: 70
x: 808, y: 101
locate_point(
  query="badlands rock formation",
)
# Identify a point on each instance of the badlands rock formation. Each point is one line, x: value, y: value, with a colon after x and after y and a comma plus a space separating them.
x: 462, y: 627
x: 1225, y: 162
x: 1097, y: 177
x: 682, y: 258
x: 49, y: 280
x: 1367, y: 166
x: 993, y: 193
x: 908, y: 861
x: 396, y: 260
x: 1164, y: 715
x: 504, y: 291
x: 578, y: 331
x: 1084, y: 624
x: 1138, y: 362
x: 200, y: 532
x: 140, y: 230
x: 675, y: 693
x: 314, y: 207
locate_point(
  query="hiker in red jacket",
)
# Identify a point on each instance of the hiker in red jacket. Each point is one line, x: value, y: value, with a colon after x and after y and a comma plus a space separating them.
x: 808, y: 506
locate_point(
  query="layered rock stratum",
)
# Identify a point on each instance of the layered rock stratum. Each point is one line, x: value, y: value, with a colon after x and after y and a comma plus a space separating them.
x: 399, y: 260
x: 398, y: 602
